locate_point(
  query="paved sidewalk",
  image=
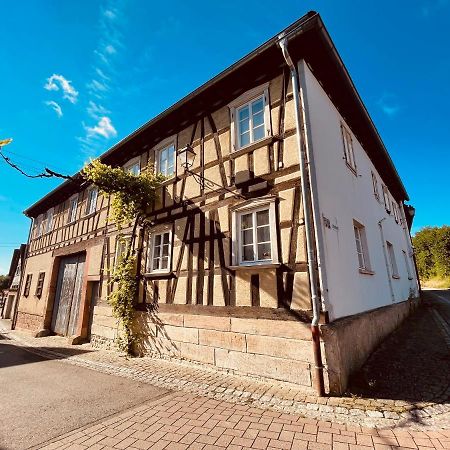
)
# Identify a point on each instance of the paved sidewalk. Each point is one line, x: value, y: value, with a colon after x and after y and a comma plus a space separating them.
x: 370, y: 408
x: 184, y: 421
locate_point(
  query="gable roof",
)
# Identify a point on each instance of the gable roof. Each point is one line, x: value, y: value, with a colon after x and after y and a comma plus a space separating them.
x: 308, y: 39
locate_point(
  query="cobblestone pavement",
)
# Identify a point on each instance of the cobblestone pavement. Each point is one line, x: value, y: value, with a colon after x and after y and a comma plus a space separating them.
x: 199, y: 380
x: 184, y: 421
x: 413, y: 364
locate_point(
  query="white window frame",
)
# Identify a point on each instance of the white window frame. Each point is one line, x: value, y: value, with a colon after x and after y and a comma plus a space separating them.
x: 91, y: 206
x: 362, y: 253
x: 49, y: 224
x: 387, y: 200
x: 253, y: 207
x: 376, y: 191
x: 121, y: 237
x: 39, y: 221
x: 392, y: 260
x: 349, y: 151
x: 151, y: 246
x: 72, y: 212
x: 132, y: 163
x: 242, y: 101
x: 408, y: 268
x: 158, y: 154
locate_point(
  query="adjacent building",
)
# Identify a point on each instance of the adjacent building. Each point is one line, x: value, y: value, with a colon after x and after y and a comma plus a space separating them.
x: 284, y: 248
x: 15, y: 275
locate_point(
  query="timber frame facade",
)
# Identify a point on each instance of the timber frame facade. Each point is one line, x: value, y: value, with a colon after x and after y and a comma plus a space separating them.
x: 225, y: 263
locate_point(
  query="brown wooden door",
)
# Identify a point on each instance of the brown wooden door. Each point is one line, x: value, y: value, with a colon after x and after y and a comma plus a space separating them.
x: 66, y: 309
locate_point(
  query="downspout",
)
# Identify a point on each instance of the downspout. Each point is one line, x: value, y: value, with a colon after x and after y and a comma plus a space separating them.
x: 383, y: 243
x: 309, y: 226
x: 22, y: 276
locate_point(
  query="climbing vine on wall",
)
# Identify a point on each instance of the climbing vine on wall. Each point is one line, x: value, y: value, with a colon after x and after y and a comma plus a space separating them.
x: 131, y: 195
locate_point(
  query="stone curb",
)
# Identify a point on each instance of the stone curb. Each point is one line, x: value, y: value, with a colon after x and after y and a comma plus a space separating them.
x: 342, y: 410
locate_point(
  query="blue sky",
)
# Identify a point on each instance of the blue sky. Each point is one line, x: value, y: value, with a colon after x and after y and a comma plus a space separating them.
x: 76, y: 77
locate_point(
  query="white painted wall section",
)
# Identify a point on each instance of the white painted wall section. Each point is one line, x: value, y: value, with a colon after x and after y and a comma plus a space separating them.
x: 344, y: 197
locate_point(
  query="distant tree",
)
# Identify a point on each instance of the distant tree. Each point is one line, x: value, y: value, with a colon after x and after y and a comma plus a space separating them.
x: 432, y: 247
x: 4, y: 283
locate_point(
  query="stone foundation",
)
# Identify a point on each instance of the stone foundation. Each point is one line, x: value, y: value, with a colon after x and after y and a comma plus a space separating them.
x: 102, y: 342
x: 27, y: 321
x: 275, y: 349
x: 349, y: 341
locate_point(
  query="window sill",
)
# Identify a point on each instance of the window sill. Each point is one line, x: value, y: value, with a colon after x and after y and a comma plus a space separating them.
x: 252, y: 146
x: 366, y: 272
x: 352, y: 169
x: 87, y: 216
x: 396, y: 277
x: 159, y: 275
x: 256, y: 266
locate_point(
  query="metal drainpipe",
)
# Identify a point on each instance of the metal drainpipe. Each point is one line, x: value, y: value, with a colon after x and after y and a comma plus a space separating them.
x: 309, y: 226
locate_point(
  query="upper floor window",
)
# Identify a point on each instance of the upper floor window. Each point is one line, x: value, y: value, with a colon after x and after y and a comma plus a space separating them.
x: 159, y: 254
x: 166, y: 159
x: 408, y: 268
x: 133, y: 166
x: 49, y: 223
x: 362, y: 250
x: 40, y: 284
x: 91, y: 204
x: 73, y: 203
x: 391, y: 254
x: 250, y: 117
x: 349, y: 154
x: 387, y: 201
x: 254, y: 234
x: 26, y: 290
x: 39, y: 221
x: 122, y: 245
x: 375, y: 187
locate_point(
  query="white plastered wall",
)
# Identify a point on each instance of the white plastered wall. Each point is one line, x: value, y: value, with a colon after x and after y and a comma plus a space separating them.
x: 344, y: 197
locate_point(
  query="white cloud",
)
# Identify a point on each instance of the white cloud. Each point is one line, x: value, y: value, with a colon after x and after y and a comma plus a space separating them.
x: 96, y: 111
x: 57, y: 82
x: 104, y: 128
x: 109, y: 14
x: 110, y: 49
x: 97, y: 86
x: 55, y: 106
x: 389, y: 105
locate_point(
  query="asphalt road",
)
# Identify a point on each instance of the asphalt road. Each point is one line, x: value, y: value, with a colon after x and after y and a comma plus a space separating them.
x: 41, y: 399
x: 441, y: 301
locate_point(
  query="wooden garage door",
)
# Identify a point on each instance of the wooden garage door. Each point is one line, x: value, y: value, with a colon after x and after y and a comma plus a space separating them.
x: 66, y: 309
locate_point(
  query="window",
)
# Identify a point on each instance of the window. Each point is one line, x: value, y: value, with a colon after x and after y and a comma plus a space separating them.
x: 349, y: 154
x: 375, y: 186
x: 91, y: 204
x: 122, y: 244
x: 408, y: 268
x: 250, y: 122
x: 49, y: 224
x: 250, y: 117
x: 166, y: 160
x: 133, y: 166
x: 391, y: 254
x: 254, y: 234
x: 160, y: 252
x: 73, y: 203
x: 40, y: 284
x: 361, y: 247
x: 38, y: 226
x: 387, y: 203
x: 26, y: 291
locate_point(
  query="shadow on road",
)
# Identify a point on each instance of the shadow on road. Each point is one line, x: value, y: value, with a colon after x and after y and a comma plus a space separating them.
x: 20, y: 355
x: 412, y: 364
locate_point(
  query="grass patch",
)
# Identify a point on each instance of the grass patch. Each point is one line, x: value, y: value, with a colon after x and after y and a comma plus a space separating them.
x: 437, y: 283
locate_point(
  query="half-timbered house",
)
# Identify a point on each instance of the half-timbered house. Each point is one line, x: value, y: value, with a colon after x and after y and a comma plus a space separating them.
x: 282, y: 251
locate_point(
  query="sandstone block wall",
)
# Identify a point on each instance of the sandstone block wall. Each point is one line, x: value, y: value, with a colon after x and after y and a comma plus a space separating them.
x: 276, y: 349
